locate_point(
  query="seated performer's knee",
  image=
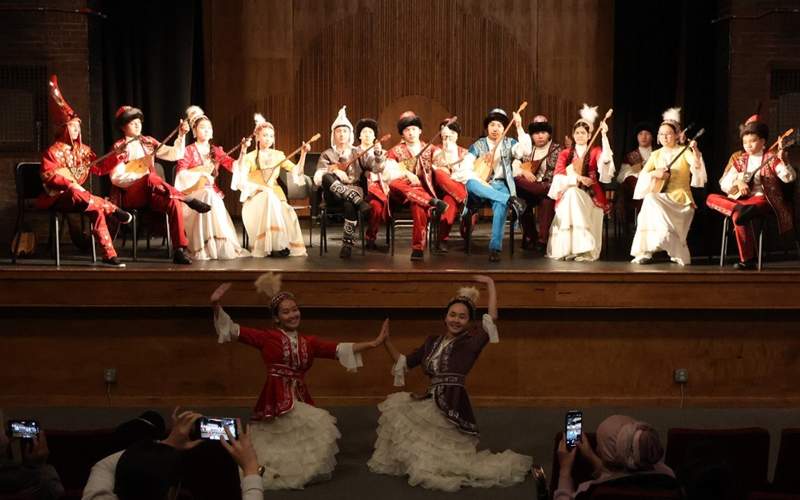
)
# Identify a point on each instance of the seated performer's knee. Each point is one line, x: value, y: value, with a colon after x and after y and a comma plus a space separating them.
x: 327, y: 180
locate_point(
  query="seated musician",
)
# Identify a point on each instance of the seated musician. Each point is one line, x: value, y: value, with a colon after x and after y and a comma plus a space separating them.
x: 752, y: 184
x: 136, y: 183
x: 269, y: 220
x: 66, y: 166
x: 533, y: 175
x: 493, y: 178
x: 450, y: 170
x: 340, y: 172
x: 632, y: 164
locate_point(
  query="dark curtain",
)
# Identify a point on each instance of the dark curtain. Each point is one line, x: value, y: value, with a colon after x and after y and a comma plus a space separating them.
x: 153, y: 60
x: 670, y: 54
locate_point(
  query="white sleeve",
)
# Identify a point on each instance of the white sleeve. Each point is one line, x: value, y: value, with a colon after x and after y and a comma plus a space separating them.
x: 318, y: 175
x: 642, y: 185
x: 252, y: 487
x: 490, y: 328
x: 399, y: 371
x: 174, y: 152
x: 100, y: 485
x: 392, y: 170
x: 785, y: 172
x: 186, y: 179
x: 699, y: 175
x: 561, y: 183
x: 524, y: 146
x: 516, y: 168
x: 726, y: 183
x: 350, y: 360
x: 121, y: 178
x: 605, y: 162
x: 226, y: 329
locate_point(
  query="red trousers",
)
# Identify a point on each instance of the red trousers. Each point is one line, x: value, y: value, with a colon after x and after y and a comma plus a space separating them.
x: 96, y: 208
x: 745, y: 236
x: 454, y: 194
x: 535, y: 195
x: 402, y: 191
x: 379, y: 202
x: 152, y: 191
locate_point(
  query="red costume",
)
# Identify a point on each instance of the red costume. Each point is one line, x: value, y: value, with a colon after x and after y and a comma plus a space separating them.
x: 286, y: 368
x: 590, y: 170
x: 535, y: 195
x: 452, y: 192
x: 192, y: 158
x: 418, y: 197
x: 65, y: 167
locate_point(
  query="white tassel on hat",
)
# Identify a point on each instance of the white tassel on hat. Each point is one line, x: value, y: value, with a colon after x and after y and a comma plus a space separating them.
x: 672, y: 116
x: 588, y: 116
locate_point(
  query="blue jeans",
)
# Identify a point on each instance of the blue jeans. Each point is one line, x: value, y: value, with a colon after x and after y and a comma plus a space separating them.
x: 497, y: 193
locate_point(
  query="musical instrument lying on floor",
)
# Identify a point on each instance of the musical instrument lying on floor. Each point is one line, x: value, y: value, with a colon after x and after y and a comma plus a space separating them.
x: 484, y: 166
x: 782, y: 142
x: 266, y: 176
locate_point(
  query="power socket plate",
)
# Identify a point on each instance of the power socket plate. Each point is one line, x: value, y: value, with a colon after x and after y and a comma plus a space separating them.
x: 681, y: 376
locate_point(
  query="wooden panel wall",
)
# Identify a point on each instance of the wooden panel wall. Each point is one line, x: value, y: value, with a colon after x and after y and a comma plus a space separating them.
x: 548, y: 358
x: 298, y: 61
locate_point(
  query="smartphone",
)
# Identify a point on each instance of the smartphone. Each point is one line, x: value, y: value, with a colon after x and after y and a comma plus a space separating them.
x: 573, y: 424
x: 213, y: 428
x: 23, y: 429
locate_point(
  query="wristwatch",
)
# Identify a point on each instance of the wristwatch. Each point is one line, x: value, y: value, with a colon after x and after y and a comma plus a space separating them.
x: 261, y: 469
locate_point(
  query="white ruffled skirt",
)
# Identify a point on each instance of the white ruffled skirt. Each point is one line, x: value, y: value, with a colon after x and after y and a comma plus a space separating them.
x: 272, y: 224
x: 211, y: 235
x: 415, y: 439
x: 296, y: 448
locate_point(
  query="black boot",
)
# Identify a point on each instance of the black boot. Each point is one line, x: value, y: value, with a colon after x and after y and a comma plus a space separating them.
x: 113, y: 262
x: 439, y: 205
x: 348, y: 234
x: 747, y: 265
x: 417, y: 255
x: 197, y: 205
x: 182, y: 257
x: 122, y: 216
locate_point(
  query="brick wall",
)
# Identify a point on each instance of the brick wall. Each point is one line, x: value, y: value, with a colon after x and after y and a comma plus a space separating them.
x: 60, y: 42
x: 758, y: 46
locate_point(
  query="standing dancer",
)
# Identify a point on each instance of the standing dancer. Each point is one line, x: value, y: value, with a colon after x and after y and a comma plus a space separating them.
x: 433, y: 438
x: 294, y: 440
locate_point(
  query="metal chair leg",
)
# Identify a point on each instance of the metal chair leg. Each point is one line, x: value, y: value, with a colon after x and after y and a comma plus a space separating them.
x: 94, y: 250
x: 760, y: 246
x: 57, y: 228
x: 724, y: 248
x: 169, y: 240
x: 135, y: 235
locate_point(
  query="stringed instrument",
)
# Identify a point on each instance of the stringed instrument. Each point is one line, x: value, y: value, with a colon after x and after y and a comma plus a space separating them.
x: 266, y: 176
x: 484, y: 166
x: 344, y: 165
x: 579, y: 161
x: 659, y: 185
x: 142, y: 165
x: 209, y: 168
x: 747, y: 177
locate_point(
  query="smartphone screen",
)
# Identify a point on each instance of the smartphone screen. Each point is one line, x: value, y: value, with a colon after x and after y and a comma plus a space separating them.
x: 214, y: 428
x: 23, y: 429
x: 573, y: 427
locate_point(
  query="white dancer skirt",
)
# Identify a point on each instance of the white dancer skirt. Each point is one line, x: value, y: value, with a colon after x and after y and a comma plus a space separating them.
x: 577, y: 229
x: 662, y: 225
x: 271, y: 225
x: 297, y: 448
x: 211, y: 235
x: 415, y: 439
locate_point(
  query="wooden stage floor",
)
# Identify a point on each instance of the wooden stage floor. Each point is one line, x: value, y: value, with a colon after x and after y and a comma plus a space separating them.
x: 525, y: 281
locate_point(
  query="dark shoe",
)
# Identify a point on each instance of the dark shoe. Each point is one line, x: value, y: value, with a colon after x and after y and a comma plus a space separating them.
x: 518, y: 205
x: 746, y: 214
x: 645, y: 261
x: 182, y: 257
x: 197, y: 205
x: 747, y: 265
x: 113, y: 262
x: 540, y: 247
x: 528, y: 244
x: 494, y: 256
x: 122, y: 216
x: 279, y: 254
x: 441, y: 247
x: 417, y: 255
x: 346, y: 251
x: 439, y: 205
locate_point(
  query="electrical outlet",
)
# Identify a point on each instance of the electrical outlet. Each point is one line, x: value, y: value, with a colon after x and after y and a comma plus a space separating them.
x: 681, y: 375
x: 110, y: 375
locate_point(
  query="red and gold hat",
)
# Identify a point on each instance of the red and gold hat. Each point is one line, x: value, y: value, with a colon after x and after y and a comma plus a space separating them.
x: 60, y: 111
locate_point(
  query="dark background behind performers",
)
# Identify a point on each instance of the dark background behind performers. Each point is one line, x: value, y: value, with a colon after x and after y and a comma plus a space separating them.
x: 299, y: 61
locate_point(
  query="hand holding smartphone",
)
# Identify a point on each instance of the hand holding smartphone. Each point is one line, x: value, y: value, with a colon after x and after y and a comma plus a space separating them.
x: 573, y: 428
x: 213, y: 428
x: 26, y: 430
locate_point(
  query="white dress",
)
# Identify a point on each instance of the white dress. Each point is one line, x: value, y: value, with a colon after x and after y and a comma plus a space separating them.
x: 417, y: 440
x: 211, y: 235
x: 663, y: 223
x: 577, y: 228
x: 271, y: 223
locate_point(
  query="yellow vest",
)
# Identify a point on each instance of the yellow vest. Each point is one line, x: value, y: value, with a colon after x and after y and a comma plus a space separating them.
x: 275, y: 156
x: 679, y: 184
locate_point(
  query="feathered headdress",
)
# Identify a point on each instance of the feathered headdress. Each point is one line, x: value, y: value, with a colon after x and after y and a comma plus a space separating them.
x: 260, y: 122
x: 270, y: 285
x: 588, y: 117
x: 672, y: 117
